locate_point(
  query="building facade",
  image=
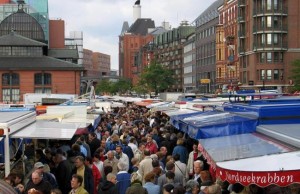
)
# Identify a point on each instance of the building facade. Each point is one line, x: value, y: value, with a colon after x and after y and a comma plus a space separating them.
x: 227, y: 61
x: 269, y: 41
x: 130, y: 42
x: 206, y: 48
x: 169, y: 52
x: 101, y: 64
x: 189, y: 64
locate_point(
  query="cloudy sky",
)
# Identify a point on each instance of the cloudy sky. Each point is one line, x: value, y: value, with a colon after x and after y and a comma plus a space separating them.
x: 101, y: 20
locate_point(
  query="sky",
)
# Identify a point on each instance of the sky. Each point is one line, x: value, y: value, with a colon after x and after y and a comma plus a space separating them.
x: 101, y: 20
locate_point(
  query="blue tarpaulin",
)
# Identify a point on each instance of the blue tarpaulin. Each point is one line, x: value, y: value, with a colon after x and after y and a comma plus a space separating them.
x: 216, y: 124
x: 176, y: 120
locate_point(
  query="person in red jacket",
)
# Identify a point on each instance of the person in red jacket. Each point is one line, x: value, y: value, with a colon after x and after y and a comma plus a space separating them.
x: 95, y: 171
x: 151, y: 145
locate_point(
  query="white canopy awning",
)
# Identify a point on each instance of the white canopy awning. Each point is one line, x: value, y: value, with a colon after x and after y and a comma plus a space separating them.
x: 47, y: 130
x: 177, y: 111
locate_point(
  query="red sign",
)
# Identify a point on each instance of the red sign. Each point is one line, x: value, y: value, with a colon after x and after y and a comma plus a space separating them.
x: 261, y: 178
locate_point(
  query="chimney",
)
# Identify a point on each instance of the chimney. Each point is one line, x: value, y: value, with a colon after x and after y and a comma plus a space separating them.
x: 136, y: 10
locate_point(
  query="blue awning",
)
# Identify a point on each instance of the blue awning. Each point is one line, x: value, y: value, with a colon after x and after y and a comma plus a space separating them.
x: 176, y: 120
x: 216, y: 124
x: 234, y: 147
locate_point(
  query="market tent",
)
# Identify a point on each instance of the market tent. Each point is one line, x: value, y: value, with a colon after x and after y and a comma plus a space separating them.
x: 278, y: 169
x: 251, y: 159
x: 176, y: 120
x: 177, y: 111
x: 217, y: 123
x: 156, y: 104
x: 288, y: 133
x: 47, y: 130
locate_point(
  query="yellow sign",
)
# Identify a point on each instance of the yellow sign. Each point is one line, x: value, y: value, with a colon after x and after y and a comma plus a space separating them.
x: 204, y: 81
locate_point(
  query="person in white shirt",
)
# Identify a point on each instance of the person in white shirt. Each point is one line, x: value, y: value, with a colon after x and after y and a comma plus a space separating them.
x: 122, y: 157
x: 132, y: 144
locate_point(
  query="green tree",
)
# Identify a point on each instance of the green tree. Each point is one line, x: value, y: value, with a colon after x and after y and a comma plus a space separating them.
x: 156, y: 77
x: 104, y: 86
x: 122, y: 86
x: 295, y: 74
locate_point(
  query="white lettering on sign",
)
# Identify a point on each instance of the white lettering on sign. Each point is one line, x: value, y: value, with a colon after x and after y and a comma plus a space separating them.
x: 269, y: 178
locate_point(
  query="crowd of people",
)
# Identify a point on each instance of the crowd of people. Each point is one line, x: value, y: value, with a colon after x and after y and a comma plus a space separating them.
x: 132, y: 151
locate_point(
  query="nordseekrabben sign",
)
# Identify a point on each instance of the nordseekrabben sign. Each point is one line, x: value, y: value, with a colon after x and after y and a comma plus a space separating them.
x: 260, y: 178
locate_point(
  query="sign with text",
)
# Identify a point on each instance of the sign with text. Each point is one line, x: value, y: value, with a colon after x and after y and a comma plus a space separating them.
x: 204, y: 81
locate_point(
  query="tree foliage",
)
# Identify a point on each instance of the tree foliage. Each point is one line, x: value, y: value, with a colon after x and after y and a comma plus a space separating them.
x: 121, y: 86
x: 156, y: 78
x: 295, y: 74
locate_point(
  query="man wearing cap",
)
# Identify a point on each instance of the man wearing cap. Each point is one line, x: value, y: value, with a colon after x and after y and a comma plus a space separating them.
x: 39, y: 167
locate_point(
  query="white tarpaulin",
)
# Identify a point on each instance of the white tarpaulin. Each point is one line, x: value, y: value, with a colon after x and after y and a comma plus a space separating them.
x: 47, y: 130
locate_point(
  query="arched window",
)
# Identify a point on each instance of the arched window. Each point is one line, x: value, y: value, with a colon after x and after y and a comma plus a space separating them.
x: 42, y: 82
x: 10, y: 87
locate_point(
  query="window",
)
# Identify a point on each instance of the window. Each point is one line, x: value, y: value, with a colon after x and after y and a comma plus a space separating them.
x: 269, y: 21
x: 262, y: 57
x: 262, y: 74
x: 276, y: 74
x: 275, y: 2
x: 269, y: 74
x: 10, y: 90
x: 269, y: 57
x: 269, y: 4
x: 10, y: 79
x: 263, y: 41
x: 278, y: 57
x: 269, y: 39
x: 275, y: 22
x: 42, y: 82
x: 275, y: 38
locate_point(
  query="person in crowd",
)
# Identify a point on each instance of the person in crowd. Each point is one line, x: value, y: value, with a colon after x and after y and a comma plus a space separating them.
x: 192, y: 187
x: 63, y: 171
x: 212, y: 189
x: 39, y: 167
x: 85, y: 145
x: 109, y: 185
x: 40, y: 156
x: 111, y: 161
x: 128, y: 151
x: 19, y: 179
x: 135, y: 165
x: 167, y: 143
x: 136, y: 185
x: 178, y: 179
x: 38, y: 183
x: 122, y: 157
x: 206, y: 179
x: 157, y: 170
x: 97, y: 162
x: 85, y: 172
x: 76, y: 185
x: 132, y: 144
x: 150, y: 185
x: 56, y: 191
x: 74, y: 152
x: 93, y: 142
x: 180, y: 167
x: 181, y: 150
x: 198, y: 167
x: 123, y: 178
x: 146, y: 164
x: 95, y: 171
x: 139, y: 153
x: 193, y: 156
x: 150, y: 145
x: 167, y: 189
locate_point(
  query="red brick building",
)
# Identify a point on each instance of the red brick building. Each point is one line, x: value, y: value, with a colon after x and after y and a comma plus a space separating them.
x: 26, y: 66
x: 130, y: 42
x: 227, y: 61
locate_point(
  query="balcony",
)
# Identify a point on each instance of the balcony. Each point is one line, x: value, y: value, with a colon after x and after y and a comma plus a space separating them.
x: 263, y: 12
x: 265, y: 29
x: 268, y: 47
